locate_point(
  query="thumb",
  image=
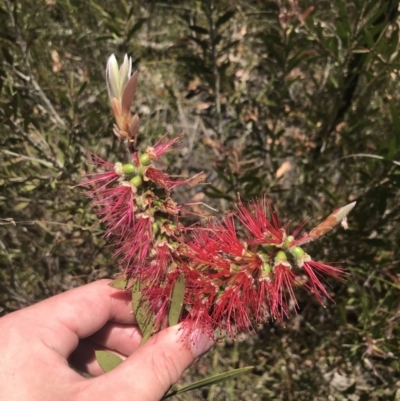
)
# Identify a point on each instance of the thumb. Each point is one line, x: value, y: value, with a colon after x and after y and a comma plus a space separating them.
x: 153, y: 368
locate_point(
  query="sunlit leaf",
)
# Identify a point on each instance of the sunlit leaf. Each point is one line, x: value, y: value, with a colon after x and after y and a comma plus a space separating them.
x: 143, y: 314
x: 176, y: 304
x: 121, y: 283
x: 21, y: 206
x: 212, y: 380
x: 107, y: 360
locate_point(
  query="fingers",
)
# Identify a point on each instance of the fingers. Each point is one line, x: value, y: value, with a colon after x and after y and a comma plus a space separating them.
x: 79, y: 313
x: 122, y: 339
x: 150, y: 371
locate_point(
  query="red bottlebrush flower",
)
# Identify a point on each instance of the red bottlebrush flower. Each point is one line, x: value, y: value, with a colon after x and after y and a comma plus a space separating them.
x: 199, y: 321
x: 160, y: 147
x: 282, y: 285
x: 134, y: 247
x: 260, y: 220
x: 158, y: 265
x: 225, y: 237
x: 314, y: 269
x: 232, y: 273
x: 233, y: 311
x: 102, y: 179
x: 203, y: 251
x: 116, y: 207
x: 211, y: 241
x: 162, y: 179
x: 255, y: 278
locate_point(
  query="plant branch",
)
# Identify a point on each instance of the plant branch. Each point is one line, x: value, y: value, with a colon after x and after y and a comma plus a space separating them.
x: 23, y: 47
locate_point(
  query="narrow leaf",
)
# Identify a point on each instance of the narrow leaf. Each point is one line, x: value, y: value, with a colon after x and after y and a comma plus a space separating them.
x: 82, y: 88
x: 135, y: 28
x: 225, y: 18
x: 176, y: 305
x: 107, y: 360
x: 136, y: 295
x: 211, y: 380
x: 121, y: 283
x: 396, y: 127
x: 142, y: 312
x: 199, y: 29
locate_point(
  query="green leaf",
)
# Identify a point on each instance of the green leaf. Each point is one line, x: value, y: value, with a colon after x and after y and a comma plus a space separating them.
x: 21, y: 206
x: 107, y: 360
x: 177, y: 297
x: 228, y: 46
x: 374, y: 16
x: 342, y: 32
x: 361, y: 50
x: 136, y: 295
x: 211, y: 380
x: 334, y: 81
x: 100, y: 10
x: 121, y: 283
x: 392, y: 43
x: 135, y: 28
x: 225, y: 18
x: 199, y: 29
x: 343, y: 27
x: 82, y: 88
x: 395, y: 142
x: 143, y: 314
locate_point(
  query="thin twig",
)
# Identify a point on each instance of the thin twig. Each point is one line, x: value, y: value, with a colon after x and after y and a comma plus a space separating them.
x: 23, y: 47
x: 54, y: 162
x: 216, y: 78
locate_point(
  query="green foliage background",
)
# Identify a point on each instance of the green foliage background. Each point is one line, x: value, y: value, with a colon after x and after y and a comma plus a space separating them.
x: 296, y: 99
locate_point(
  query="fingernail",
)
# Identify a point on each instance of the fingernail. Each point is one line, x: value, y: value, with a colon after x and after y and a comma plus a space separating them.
x: 200, y: 342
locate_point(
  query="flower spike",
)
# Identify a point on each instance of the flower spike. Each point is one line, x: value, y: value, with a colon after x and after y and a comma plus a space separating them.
x: 231, y: 273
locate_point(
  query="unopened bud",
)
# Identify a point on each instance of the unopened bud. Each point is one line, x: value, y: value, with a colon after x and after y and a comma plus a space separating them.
x: 136, y: 181
x: 129, y: 168
x: 297, y: 252
x: 266, y: 269
x: 145, y: 159
x: 280, y: 257
x: 142, y: 170
x: 154, y: 227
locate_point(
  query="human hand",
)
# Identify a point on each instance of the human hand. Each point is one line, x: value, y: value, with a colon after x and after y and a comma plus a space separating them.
x: 37, y: 342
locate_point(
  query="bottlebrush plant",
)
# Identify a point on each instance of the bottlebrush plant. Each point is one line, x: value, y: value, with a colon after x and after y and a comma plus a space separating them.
x: 224, y: 275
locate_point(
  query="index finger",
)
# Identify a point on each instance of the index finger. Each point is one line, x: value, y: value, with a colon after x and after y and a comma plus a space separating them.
x: 78, y: 313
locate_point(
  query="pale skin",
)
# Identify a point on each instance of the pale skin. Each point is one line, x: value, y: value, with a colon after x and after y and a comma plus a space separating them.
x: 39, y: 343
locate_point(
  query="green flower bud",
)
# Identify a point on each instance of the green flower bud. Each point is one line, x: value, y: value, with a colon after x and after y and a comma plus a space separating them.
x: 297, y: 252
x: 129, y: 168
x: 155, y: 227
x: 142, y: 170
x: 288, y: 241
x: 136, y: 181
x: 280, y: 257
x: 266, y: 268
x: 145, y: 159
